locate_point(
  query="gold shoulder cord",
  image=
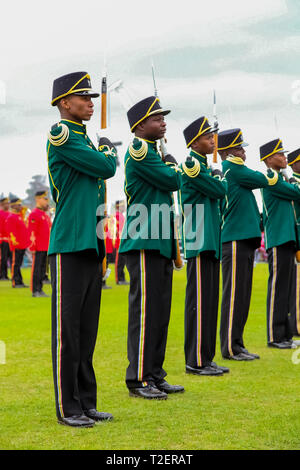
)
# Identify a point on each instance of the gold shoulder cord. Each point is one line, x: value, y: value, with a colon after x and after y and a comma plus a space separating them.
x: 61, y: 138
x: 192, y: 172
x: 140, y: 153
x: 272, y: 180
x: 236, y: 160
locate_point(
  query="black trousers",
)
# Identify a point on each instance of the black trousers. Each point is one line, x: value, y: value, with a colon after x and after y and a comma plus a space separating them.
x: 201, y: 309
x: 5, y: 255
x: 281, y: 261
x: 237, y: 273
x: 76, y: 294
x: 149, y: 314
x: 17, y: 260
x: 46, y: 273
x: 120, y: 262
x: 295, y: 301
x: 38, y: 270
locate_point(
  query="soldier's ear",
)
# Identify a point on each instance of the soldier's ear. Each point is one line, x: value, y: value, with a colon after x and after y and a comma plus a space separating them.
x: 141, y: 125
x: 64, y: 104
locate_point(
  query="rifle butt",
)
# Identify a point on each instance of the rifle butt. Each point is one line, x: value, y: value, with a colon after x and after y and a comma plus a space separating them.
x: 215, y: 154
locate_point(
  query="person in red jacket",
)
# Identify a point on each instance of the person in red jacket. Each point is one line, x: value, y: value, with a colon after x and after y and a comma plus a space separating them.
x: 5, y: 253
x: 120, y: 258
x: 108, y: 229
x: 39, y: 225
x: 18, y: 240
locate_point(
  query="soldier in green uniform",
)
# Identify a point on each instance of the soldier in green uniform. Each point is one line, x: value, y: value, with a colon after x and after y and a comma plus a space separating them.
x: 149, y: 244
x: 76, y: 173
x: 241, y: 235
x: 294, y: 163
x: 280, y: 240
x: 199, y: 196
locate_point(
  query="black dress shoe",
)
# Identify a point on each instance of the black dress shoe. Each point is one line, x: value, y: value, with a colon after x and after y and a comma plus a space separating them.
x: 240, y: 357
x: 39, y: 294
x: 163, y: 386
x: 225, y: 370
x: 149, y: 392
x: 43, y: 294
x: 245, y: 351
x: 207, y: 370
x: 282, y: 345
x: 77, y: 421
x: 98, y: 415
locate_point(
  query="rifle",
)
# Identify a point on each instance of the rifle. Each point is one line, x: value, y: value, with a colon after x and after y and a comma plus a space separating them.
x: 103, y: 125
x: 215, y: 155
x: 178, y: 263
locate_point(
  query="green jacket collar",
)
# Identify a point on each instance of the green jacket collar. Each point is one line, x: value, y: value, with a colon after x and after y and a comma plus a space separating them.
x: 75, y: 126
x: 199, y: 157
x: 151, y: 143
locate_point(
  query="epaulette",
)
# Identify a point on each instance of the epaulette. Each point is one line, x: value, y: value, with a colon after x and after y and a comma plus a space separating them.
x: 138, y: 149
x: 59, y: 134
x: 191, y: 167
x: 273, y: 178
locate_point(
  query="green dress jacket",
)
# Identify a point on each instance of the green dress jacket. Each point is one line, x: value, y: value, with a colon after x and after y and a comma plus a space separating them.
x: 240, y: 213
x: 296, y: 206
x: 278, y: 213
x: 198, y: 199
x: 149, y: 183
x: 76, y: 172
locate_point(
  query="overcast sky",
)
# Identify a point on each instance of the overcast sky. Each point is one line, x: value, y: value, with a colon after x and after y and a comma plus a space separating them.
x: 247, y: 51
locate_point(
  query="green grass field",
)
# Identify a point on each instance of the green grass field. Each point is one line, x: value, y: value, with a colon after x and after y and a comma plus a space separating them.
x: 255, y: 406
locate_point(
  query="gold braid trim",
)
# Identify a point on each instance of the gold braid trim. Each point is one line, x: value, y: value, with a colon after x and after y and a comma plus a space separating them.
x: 61, y: 138
x: 107, y: 150
x: 272, y: 180
x: 236, y: 160
x: 173, y: 166
x: 139, y: 154
x: 194, y: 171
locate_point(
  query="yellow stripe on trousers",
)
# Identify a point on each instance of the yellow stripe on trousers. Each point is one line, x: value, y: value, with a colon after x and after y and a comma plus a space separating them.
x: 199, y: 310
x: 142, y: 316
x: 298, y: 297
x: 58, y: 334
x: 232, y: 296
x: 271, y: 315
